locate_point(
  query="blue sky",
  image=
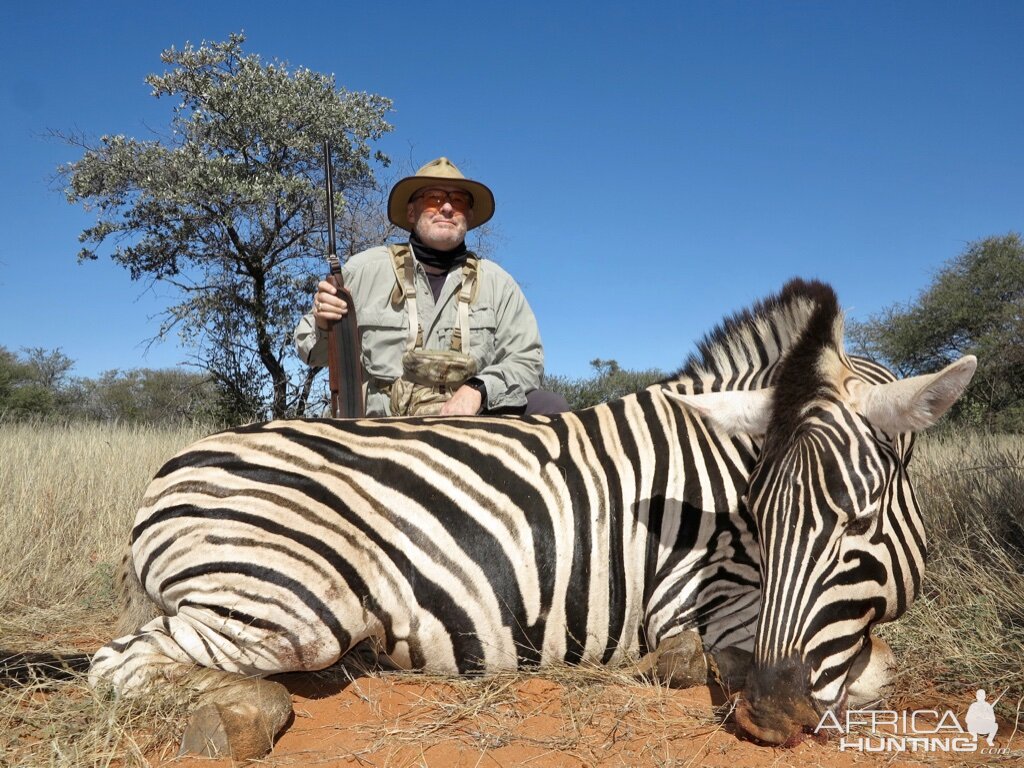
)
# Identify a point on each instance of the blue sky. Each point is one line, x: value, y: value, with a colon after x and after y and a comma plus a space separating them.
x: 656, y: 165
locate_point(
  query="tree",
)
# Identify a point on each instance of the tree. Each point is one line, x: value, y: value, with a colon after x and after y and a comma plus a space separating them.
x: 228, y: 207
x: 975, y: 305
x: 49, y: 367
x: 26, y: 389
x: 609, y: 382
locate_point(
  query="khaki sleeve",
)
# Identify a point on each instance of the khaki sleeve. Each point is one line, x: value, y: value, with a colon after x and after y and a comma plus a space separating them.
x: 310, y: 342
x: 519, y: 354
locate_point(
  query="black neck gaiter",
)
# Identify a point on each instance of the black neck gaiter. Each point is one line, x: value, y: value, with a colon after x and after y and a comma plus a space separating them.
x: 431, y: 257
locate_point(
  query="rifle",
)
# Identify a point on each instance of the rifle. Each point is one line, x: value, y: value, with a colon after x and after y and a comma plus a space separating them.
x: 344, y: 352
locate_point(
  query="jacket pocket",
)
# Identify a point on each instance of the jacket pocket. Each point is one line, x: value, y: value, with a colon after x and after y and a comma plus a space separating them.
x: 483, y: 326
x: 383, y: 335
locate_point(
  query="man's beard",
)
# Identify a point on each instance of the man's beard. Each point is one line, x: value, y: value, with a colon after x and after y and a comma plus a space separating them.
x: 441, y: 238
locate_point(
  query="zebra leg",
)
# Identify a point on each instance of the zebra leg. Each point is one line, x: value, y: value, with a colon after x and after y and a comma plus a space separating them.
x: 239, y: 713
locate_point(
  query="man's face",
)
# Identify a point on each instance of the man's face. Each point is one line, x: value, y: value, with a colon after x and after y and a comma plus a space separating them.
x: 440, y: 216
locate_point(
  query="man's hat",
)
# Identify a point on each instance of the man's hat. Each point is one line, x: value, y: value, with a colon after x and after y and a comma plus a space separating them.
x: 440, y: 172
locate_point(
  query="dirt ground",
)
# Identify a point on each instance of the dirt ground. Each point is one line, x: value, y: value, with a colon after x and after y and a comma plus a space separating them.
x: 545, y: 720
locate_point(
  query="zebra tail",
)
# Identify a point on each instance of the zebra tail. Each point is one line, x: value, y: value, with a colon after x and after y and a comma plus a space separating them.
x: 136, y: 607
x: 18, y: 669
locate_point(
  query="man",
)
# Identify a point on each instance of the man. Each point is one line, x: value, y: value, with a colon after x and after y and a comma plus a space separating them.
x: 417, y: 301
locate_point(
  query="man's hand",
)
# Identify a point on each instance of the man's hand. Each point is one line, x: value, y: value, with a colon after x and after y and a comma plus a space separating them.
x: 327, y: 307
x: 465, y: 402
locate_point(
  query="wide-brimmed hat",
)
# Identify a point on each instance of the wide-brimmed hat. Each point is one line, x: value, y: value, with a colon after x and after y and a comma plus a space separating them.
x: 440, y: 172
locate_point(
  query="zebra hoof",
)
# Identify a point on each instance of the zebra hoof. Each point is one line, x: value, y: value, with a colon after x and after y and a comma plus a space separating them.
x: 235, y: 731
x: 205, y: 734
x: 680, y: 661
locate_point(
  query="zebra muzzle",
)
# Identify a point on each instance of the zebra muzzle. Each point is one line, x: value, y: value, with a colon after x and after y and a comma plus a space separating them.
x: 777, y: 722
x: 776, y: 706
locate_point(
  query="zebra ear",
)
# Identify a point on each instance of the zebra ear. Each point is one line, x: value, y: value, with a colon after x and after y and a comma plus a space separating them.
x: 732, y: 413
x: 913, y: 404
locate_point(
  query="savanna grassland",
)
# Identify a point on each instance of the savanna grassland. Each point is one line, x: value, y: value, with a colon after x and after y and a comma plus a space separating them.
x: 68, y: 496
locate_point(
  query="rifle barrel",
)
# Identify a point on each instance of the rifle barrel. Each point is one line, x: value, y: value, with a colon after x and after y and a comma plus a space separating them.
x: 329, y: 181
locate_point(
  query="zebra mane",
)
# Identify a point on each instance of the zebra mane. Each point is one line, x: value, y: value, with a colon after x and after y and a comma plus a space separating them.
x: 746, y: 351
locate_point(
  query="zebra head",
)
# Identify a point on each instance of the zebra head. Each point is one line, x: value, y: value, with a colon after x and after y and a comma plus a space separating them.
x: 841, y: 540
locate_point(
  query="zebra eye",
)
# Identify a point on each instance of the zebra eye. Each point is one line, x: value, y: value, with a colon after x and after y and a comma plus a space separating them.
x: 860, y: 525
x: 865, y: 516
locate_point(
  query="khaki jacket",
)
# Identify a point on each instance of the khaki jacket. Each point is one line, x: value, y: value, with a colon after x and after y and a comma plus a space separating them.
x: 504, y: 337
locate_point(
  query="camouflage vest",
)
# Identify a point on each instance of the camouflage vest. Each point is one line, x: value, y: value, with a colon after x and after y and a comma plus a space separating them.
x: 430, y: 377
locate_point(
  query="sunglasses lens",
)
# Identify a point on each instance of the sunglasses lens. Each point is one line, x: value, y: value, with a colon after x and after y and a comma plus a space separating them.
x: 460, y: 201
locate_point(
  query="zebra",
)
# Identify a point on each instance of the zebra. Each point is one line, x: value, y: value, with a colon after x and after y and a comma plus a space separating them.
x: 841, y: 542
x: 754, y: 507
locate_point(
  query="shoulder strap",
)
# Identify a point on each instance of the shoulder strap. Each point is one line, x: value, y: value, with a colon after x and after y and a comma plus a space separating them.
x: 405, y: 290
x: 467, y: 295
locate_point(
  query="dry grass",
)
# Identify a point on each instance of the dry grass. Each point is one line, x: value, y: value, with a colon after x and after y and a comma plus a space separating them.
x: 68, y: 497
x: 74, y: 727
x: 966, y: 630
